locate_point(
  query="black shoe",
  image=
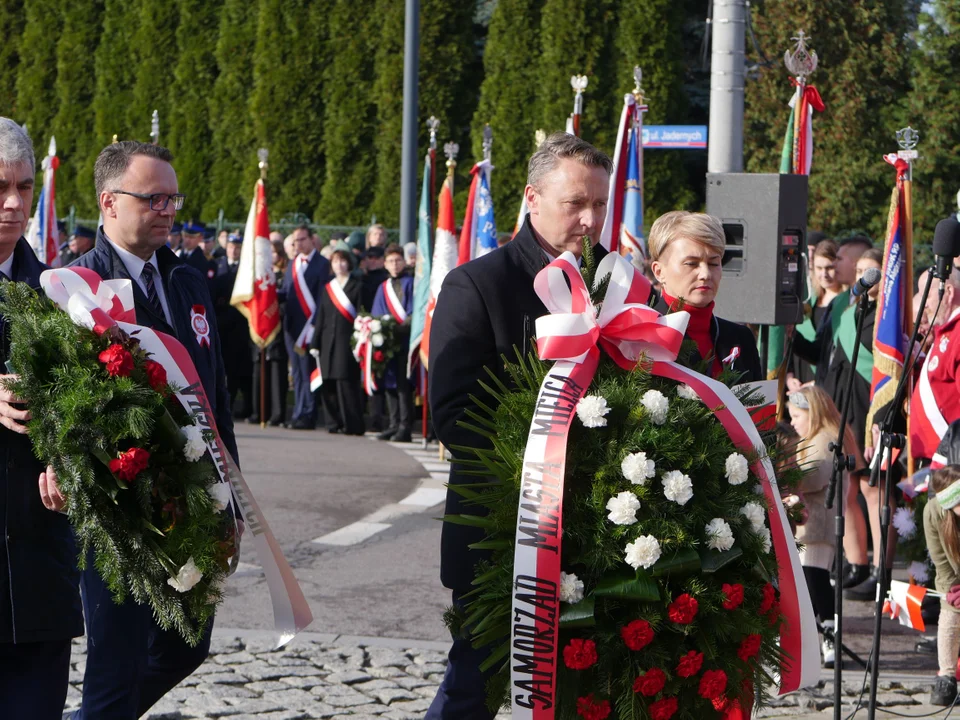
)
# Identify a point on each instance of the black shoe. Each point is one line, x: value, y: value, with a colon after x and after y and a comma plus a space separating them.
x: 402, y: 435
x: 253, y: 420
x: 867, y: 590
x: 944, y: 691
x: 275, y: 422
x: 302, y: 424
x: 335, y: 430
x: 854, y: 575
x: 387, y: 434
x: 926, y: 646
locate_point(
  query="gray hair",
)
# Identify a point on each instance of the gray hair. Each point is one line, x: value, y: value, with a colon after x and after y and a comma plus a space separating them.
x: 114, y: 159
x: 563, y: 146
x: 15, y: 145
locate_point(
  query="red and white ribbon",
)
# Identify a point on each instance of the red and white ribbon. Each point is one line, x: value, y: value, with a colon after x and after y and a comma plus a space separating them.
x: 101, y: 304
x: 307, y: 302
x: 363, y: 352
x: 198, y: 321
x: 340, y: 301
x: 394, y: 304
x: 729, y: 359
x: 626, y: 329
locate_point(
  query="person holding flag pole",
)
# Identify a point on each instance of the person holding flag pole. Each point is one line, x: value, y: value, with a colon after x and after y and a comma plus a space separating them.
x: 479, y: 234
x: 623, y: 227
x: 42, y: 234
x: 255, y: 289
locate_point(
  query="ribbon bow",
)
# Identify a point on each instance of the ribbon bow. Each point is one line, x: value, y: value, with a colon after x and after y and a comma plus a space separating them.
x: 90, y: 301
x: 363, y: 352
x: 624, y: 325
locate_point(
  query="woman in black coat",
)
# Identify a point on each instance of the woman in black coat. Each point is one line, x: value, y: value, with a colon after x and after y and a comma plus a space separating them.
x: 333, y: 329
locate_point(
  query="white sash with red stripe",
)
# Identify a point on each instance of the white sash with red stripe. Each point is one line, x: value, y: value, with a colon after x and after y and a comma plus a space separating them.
x: 340, y: 300
x: 394, y: 305
x: 927, y: 423
x: 307, y: 302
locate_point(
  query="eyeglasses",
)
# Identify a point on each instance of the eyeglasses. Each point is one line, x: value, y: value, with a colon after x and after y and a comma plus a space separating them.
x: 158, y: 201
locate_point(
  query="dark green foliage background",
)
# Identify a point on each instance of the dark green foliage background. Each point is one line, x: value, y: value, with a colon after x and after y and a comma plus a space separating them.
x: 320, y: 85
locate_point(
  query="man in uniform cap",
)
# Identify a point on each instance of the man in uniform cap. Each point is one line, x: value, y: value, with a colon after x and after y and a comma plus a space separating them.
x: 234, y: 330
x: 174, y: 238
x: 192, y: 253
x: 80, y: 242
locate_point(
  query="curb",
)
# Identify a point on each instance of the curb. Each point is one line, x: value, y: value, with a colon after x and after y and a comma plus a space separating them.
x: 332, y: 639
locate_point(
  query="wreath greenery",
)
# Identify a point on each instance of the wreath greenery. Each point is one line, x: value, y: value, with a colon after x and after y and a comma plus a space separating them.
x: 384, y: 337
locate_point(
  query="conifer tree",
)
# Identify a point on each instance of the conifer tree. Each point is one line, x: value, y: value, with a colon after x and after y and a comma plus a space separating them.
x: 510, y: 82
x: 349, y: 114
x: 37, y: 71
x: 287, y: 103
x: 74, y: 89
x: 12, y: 20
x: 115, y: 65
x: 932, y: 110
x: 232, y: 175
x: 388, y: 95
x: 194, y: 74
x: 156, y: 43
x: 862, y: 76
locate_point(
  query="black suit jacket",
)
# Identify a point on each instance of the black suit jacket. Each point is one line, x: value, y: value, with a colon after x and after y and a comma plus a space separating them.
x: 485, y: 309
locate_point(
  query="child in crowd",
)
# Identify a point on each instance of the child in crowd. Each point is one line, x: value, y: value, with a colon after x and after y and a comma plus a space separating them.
x: 941, y: 525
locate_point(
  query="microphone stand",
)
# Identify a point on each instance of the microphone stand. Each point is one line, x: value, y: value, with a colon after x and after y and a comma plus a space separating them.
x: 842, y: 463
x: 888, y: 441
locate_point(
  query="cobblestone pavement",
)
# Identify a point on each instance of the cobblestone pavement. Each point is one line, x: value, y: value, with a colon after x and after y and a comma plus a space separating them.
x: 331, y: 676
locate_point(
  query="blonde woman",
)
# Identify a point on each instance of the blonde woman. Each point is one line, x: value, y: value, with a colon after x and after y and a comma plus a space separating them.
x: 817, y: 422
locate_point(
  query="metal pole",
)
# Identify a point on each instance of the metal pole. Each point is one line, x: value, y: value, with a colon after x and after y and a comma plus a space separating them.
x: 725, y: 152
x: 408, y: 172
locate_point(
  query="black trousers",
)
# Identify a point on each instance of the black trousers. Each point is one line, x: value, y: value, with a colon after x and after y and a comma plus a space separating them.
x: 343, y: 405
x: 821, y: 592
x: 33, y: 679
x: 276, y: 390
x: 400, y: 405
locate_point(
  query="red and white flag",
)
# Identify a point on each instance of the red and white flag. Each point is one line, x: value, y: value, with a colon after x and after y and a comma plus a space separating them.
x: 904, y: 604
x: 255, y: 289
x: 445, y: 253
x: 42, y: 233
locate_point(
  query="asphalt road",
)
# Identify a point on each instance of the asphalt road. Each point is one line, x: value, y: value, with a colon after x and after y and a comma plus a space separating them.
x: 309, y: 484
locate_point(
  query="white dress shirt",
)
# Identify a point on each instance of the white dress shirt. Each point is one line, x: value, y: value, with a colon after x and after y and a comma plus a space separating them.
x: 134, y: 266
x: 6, y: 267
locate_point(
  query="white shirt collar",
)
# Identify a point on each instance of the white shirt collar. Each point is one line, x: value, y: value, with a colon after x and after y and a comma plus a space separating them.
x: 6, y: 267
x: 307, y: 258
x: 131, y: 262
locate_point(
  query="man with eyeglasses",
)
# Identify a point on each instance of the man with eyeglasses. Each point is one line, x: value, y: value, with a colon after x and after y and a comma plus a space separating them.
x: 131, y: 662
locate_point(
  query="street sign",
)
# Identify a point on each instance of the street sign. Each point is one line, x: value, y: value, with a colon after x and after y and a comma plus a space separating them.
x: 675, y: 137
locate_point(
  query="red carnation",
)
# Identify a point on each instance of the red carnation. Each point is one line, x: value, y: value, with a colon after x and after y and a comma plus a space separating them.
x: 650, y: 683
x: 733, y: 595
x: 712, y: 684
x: 683, y: 610
x: 156, y: 375
x: 130, y: 464
x: 118, y: 360
x: 720, y: 703
x: 663, y: 709
x: 580, y: 654
x: 590, y: 709
x: 749, y: 647
x: 378, y: 356
x: 637, y: 634
x: 690, y: 664
x: 769, y: 598
x: 773, y: 616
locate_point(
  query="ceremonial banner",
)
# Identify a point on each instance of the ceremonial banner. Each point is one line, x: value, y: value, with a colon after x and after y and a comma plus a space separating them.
x: 99, y: 305
x: 43, y: 234
x: 421, y: 278
x: 444, y: 259
x: 479, y: 233
x: 623, y: 227
x: 904, y: 604
x: 892, y: 325
x: 255, y: 289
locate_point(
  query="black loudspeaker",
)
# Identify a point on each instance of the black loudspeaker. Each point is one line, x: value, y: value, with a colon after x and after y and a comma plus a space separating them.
x: 764, y: 218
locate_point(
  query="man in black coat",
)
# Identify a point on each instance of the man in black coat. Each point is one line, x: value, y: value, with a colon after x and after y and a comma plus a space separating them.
x: 234, y: 330
x: 192, y: 251
x: 486, y: 308
x: 39, y: 598
x: 131, y: 661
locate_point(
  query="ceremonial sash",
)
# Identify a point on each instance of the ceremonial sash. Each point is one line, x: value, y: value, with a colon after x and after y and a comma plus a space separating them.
x: 927, y: 424
x: 100, y: 305
x: 340, y: 301
x: 394, y: 305
x: 307, y: 303
x: 846, y: 336
x: 316, y: 376
x: 626, y: 328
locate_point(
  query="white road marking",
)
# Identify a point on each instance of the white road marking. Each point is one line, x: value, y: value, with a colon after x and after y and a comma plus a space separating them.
x: 352, y: 534
x: 425, y: 497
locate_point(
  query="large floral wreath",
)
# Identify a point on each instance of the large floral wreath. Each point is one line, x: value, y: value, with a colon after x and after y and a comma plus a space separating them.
x: 667, y: 601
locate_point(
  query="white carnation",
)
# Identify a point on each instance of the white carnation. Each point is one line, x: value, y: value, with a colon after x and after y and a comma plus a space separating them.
x: 623, y: 508
x: 687, y: 392
x: 188, y: 576
x: 219, y: 493
x: 591, y: 410
x: 571, y: 588
x: 767, y: 540
x: 643, y: 552
x: 357, y: 323
x: 377, y: 339
x: 755, y: 513
x: 677, y: 487
x: 656, y: 405
x: 919, y: 571
x: 738, y: 469
x: 904, y: 522
x: 196, y: 446
x: 637, y: 468
x: 376, y: 326
x: 719, y: 535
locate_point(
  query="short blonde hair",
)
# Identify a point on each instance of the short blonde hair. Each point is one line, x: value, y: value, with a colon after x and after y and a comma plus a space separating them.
x: 676, y: 224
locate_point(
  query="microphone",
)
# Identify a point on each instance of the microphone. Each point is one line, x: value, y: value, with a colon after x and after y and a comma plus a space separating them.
x: 870, y: 277
x: 946, y: 245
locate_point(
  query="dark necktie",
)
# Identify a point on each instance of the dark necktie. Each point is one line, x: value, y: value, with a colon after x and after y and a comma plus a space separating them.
x: 148, y: 281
